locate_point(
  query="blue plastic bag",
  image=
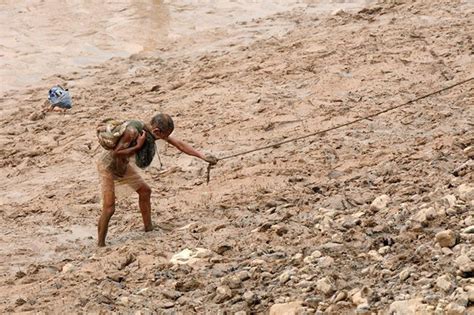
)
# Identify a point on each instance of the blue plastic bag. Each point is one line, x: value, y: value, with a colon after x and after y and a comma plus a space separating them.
x: 59, y: 97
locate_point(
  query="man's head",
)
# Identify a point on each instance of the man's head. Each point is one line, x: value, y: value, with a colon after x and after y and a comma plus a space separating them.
x: 161, y: 126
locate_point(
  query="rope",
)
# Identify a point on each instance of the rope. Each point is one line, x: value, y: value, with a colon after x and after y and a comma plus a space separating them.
x: 345, y: 124
x: 338, y: 126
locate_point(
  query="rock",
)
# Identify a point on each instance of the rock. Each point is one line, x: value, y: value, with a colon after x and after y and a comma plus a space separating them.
x: 445, y: 283
x: 243, y: 275
x: 380, y: 203
x: 325, y: 262
x: 68, y: 267
x: 189, y: 257
x: 171, y: 294
x: 424, y: 215
x: 296, y: 258
x: 470, y: 293
x: 222, y: 248
x: 284, y: 277
x: 383, y: 250
x: 291, y: 308
x: 311, y: 259
x: 446, y: 238
x: 37, y: 116
x: 123, y: 300
x: 466, y: 192
x: 325, y: 285
x: 408, y: 307
x: 257, y: 262
x: 464, y: 263
x: 405, y: 274
x: 240, y: 313
x: 362, y: 296
x: 167, y: 304
x: 189, y: 284
x: 223, y: 293
x: 455, y: 309
x: 250, y: 298
x: 313, y: 301
x: 469, y: 230
x: 448, y: 201
x: 279, y: 229
x: 233, y: 282
x: 340, y: 296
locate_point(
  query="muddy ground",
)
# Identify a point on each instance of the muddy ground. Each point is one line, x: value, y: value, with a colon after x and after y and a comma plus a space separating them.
x: 348, y: 221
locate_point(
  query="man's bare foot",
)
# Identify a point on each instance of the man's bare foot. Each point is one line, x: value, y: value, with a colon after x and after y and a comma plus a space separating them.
x: 148, y: 228
x: 101, y: 244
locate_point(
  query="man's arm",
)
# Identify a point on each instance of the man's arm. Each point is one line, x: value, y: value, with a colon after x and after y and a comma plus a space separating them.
x: 123, y: 146
x: 188, y: 149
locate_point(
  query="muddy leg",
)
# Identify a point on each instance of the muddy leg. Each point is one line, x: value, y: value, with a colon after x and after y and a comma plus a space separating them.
x: 108, y: 206
x: 144, y: 192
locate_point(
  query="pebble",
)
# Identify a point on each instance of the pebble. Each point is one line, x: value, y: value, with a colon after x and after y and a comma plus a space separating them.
x: 68, y: 267
x: 446, y: 238
x: 291, y: 308
x: 449, y: 201
x: 284, y: 277
x: 469, y: 230
x: 466, y: 192
x: 250, y: 298
x: 464, y: 263
x: 325, y: 285
x: 380, y: 203
x: 445, y: 283
x: 455, y: 309
x: 405, y: 274
x: 413, y: 306
x: 223, y: 293
x: 325, y: 262
x: 243, y: 275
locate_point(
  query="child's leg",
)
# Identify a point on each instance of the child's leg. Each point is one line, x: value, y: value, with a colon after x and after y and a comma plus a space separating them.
x: 134, y: 180
x: 108, y: 203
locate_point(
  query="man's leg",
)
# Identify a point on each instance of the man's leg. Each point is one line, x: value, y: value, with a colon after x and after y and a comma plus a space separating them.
x: 144, y: 192
x: 108, y: 204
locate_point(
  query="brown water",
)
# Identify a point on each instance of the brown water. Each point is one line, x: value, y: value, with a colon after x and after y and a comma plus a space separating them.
x: 42, y: 38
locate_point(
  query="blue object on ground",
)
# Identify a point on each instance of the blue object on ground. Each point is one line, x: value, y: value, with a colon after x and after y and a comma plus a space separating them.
x: 59, y: 97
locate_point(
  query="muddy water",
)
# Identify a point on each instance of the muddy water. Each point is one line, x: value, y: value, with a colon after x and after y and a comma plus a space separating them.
x: 42, y: 38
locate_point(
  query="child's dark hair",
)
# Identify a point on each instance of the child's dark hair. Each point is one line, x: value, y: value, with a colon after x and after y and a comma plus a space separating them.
x: 164, y: 122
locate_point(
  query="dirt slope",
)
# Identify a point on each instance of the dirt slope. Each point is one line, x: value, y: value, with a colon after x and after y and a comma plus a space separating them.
x: 341, y: 222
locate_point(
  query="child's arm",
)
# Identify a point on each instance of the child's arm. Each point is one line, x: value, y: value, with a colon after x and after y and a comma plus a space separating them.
x: 186, y: 148
x: 123, y: 146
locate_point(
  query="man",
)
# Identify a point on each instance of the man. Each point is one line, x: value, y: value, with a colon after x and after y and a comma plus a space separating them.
x: 114, y: 165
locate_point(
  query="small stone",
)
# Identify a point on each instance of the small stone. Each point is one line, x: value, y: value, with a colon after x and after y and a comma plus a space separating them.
x: 250, y: 298
x: 257, y: 262
x: 291, y: 308
x: 313, y: 301
x: 296, y: 258
x: 448, y: 201
x: 187, y: 285
x: 124, y: 300
x: 325, y: 285
x: 408, y: 307
x: 284, y: 277
x: 362, y: 296
x: 243, y: 275
x: 68, y: 267
x: 405, y: 274
x: 446, y: 238
x: 464, y: 263
x: 240, y: 313
x: 466, y: 192
x: 233, y: 282
x: 455, y: 309
x: 340, y: 296
x: 380, y: 203
x: 445, y: 283
x: 469, y: 230
x: 171, y: 294
x: 325, y: 262
x: 384, y: 250
x: 470, y: 293
x: 167, y: 304
x: 223, y: 293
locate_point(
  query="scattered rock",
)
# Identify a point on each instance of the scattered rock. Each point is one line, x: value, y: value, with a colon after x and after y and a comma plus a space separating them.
x: 325, y: 285
x: 446, y: 238
x: 187, y: 285
x: 68, y: 268
x: 405, y: 274
x: 469, y: 230
x: 380, y: 203
x: 465, y: 264
x: 291, y: 308
x: 250, y: 298
x: 455, y: 309
x: 189, y: 257
x: 223, y: 293
x: 445, y: 283
x: 408, y: 307
x: 466, y: 192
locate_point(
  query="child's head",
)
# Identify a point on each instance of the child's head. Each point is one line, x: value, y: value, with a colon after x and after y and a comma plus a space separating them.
x: 162, y: 125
